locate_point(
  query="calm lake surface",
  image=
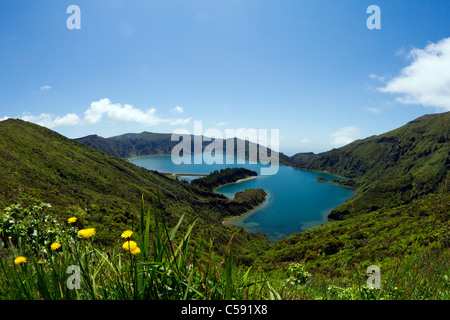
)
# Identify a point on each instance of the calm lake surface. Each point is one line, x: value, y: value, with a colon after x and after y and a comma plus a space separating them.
x: 296, y: 201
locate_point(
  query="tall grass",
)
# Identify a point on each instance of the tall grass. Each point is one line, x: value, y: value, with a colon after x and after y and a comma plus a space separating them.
x: 163, y: 269
x: 422, y: 276
x: 168, y: 267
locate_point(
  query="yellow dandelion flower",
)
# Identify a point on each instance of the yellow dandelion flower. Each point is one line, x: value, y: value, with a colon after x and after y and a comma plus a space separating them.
x: 129, y: 245
x: 135, y: 251
x: 20, y: 260
x: 40, y: 262
x: 395, y: 288
x: 86, y: 233
x: 55, y: 246
x: 72, y: 220
x: 127, y: 234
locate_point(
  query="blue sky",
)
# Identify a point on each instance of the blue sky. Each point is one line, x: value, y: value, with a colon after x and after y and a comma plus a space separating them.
x: 311, y: 69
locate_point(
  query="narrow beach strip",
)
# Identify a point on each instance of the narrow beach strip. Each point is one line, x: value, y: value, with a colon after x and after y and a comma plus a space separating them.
x: 238, y: 181
x: 230, y: 220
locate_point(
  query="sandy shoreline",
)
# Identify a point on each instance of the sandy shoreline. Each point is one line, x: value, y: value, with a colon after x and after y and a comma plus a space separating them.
x: 245, y: 179
x: 238, y: 181
x: 184, y: 174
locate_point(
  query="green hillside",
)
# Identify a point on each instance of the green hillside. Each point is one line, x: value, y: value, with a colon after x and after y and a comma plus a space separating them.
x: 382, y: 237
x: 37, y: 164
x: 391, y: 169
x: 399, y: 219
x: 132, y: 145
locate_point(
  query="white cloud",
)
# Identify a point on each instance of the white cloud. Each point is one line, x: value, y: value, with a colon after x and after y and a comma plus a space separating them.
x: 46, y: 87
x: 4, y: 118
x: 126, y: 113
x: 177, y: 109
x: 426, y: 81
x: 100, y: 109
x: 377, y: 77
x: 69, y: 119
x: 400, y: 52
x: 305, y: 141
x: 344, y: 136
x: 51, y: 121
x: 177, y: 122
x: 373, y: 110
x: 117, y: 112
x: 220, y: 123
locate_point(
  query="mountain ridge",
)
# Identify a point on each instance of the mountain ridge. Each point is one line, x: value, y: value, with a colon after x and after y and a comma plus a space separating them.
x: 104, y: 191
x: 146, y: 143
x: 393, y: 168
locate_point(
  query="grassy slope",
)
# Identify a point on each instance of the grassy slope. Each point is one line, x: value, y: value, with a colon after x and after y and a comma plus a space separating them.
x: 382, y: 237
x: 391, y: 169
x: 401, y: 208
x: 132, y: 145
x: 104, y: 191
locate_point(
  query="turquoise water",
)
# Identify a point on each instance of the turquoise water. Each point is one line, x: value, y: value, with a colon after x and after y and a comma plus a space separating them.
x: 296, y: 201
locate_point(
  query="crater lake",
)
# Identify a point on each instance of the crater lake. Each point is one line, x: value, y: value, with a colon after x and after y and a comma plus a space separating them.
x: 295, y: 201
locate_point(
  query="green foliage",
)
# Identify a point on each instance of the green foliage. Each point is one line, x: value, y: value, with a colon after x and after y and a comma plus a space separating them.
x: 169, y: 266
x: 132, y: 145
x: 383, y: 237
x: 222, y: 177
x: 297, y: 274
x: 164, y: 268
x: 31, y: 225
x: 391, y: 169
